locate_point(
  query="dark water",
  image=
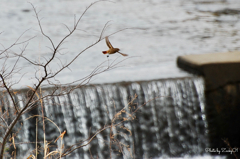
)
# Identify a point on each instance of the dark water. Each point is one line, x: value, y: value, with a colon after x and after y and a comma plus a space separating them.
x: 171, y: 124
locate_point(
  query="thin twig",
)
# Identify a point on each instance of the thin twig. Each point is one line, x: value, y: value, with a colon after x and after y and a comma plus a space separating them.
x: 4, y: 119
x: 9, y: 92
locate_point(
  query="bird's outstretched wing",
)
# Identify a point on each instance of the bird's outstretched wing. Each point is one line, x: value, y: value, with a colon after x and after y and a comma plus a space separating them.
x: 123, y: 54
x: 108, y: 43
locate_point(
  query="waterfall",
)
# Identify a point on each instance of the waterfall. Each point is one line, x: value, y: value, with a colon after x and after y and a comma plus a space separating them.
x: 171, y: 123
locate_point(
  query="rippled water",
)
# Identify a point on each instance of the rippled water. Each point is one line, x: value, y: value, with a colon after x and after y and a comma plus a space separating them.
x: 171, y: 28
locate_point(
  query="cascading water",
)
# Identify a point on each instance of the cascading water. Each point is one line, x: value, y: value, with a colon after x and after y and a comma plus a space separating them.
x: 171, y: 123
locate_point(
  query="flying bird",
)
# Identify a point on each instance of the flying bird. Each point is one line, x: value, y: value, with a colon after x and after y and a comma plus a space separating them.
x: 112, y: 50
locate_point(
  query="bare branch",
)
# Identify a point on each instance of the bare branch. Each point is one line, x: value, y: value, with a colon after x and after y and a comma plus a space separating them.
x: 4, y: 119
x: 18, y: 43
x: 60, y: 70
x: 9, y: 92
x: 39, y: 24
x: 67, y: 27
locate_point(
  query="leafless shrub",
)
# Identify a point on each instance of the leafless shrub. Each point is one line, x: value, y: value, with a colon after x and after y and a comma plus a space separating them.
x: 47, y: 78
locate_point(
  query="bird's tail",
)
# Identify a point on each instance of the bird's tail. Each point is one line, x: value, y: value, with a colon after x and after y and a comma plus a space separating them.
x: 104, y: 52
x: 123, y: 54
